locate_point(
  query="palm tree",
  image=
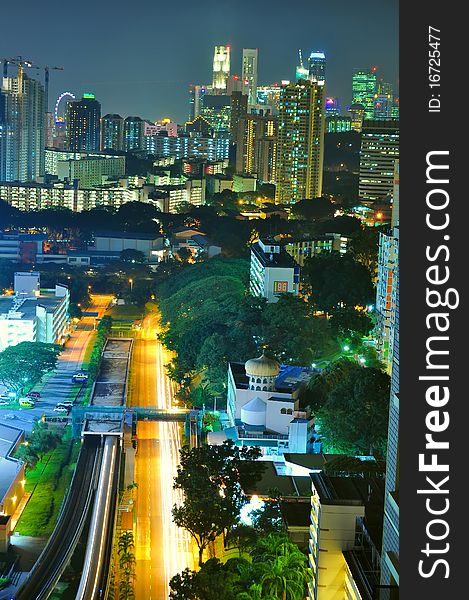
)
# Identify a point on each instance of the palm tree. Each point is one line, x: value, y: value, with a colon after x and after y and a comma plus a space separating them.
x: 280, y: 567
x: 126, y: 542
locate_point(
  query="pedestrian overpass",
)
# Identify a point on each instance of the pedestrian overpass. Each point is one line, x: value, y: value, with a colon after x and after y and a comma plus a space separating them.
x: 132, y: 414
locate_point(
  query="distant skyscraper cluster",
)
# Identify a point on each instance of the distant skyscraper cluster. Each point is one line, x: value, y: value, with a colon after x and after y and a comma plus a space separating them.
x: 270, y: 133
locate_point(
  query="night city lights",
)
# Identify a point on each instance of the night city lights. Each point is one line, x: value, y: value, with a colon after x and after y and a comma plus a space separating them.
x: 200, y: 268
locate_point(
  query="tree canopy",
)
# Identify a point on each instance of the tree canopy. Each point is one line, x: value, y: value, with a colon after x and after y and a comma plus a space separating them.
x: 26, y: 363
x: 277, y: 571
x: 350, y: 404
x: 212, y: 478
x: 337, y: 280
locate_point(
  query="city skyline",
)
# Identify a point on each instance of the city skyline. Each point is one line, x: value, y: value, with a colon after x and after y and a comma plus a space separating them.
x: 152, y: 78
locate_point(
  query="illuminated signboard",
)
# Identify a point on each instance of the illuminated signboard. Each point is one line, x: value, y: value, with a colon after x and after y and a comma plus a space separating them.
x: 280, y: 287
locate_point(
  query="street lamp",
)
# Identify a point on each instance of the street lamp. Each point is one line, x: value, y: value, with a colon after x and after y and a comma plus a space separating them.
x: 131, y: 281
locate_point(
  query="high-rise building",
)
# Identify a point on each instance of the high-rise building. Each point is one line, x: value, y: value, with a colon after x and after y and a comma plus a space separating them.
x: 239, y: 110
x: 300, y: 146
x: 390, y: 547
x: 112, y: 132
x: 221, y: 68
x: 196, y: 99
x: 364, y: 88
x: 317, y: 66
x: 83, y: 124
x: 22, y: 128
x: 217, y: 110
x: 357, y: 115
x: 258, y: 153
x: 378, y: 154
x: 134, y: 128
x: 249, y: 73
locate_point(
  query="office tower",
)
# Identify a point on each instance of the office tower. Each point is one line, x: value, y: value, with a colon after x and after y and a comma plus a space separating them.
x: 221, y: 68
x: 239, y: 111
x: 364, y: 87
x: 378, y: 154
x: 196, y: 100
x: 357, y: 114
x: 83, y: 124
x: 249, y: 72
x: 235, y: 83
x: 258, y: 155
x: 300, y: 147
x: 112, y: 132
x: 134, y: 128
x: 3, y: 136
x: 301, y: 71
x: 22, y: 112
x: 317, y: 66
x: 217, y: 110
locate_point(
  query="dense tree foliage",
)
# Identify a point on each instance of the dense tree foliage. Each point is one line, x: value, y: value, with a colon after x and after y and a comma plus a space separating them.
x: 25, y: 364
x: 209, y: 320
x: 212, y: 478
x: 276, y: 570
x: 350, y: 404
x: 337, y: 280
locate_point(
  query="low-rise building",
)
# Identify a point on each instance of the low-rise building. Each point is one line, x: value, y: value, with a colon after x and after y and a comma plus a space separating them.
x: 197, y: 242
x: 273, y: 271
x: 11, y: 480
x: 31, y: 316
x: 90, y: 172
x: 263, y: 407
x: 308, y: 246
x: 114, y: 242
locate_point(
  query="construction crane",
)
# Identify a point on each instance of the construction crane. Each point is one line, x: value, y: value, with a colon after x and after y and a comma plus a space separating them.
x: 21, y: 62
x: 46, y: 83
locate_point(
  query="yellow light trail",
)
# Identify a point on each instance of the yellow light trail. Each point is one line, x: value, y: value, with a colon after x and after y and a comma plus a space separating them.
x: 177, y: 542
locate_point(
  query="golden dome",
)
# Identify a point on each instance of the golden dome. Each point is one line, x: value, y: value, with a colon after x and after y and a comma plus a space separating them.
x: 262, y: 367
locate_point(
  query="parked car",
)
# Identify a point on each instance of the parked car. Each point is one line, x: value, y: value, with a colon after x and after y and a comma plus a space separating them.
x: 4, y: 403
x: 66, y: 403
x: 33, y: 395
x: 61, y: 409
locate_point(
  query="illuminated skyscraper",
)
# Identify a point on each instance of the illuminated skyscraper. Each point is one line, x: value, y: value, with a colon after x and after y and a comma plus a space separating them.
x: 317, y: 66
x: 300, y: 146
x: 197, y: 93
x: 133, y: 134
x: 221, y: 68
x: 22, y: 144
x: 249, y: 72
x: 378, y: 154
x: 84, y: 124
x: 256, y: 152
x: 112, y: 132
x: 217, y: 110
x: 364, y: 88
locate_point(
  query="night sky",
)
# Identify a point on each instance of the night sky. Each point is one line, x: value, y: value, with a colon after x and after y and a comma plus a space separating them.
x: 138, y: 57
